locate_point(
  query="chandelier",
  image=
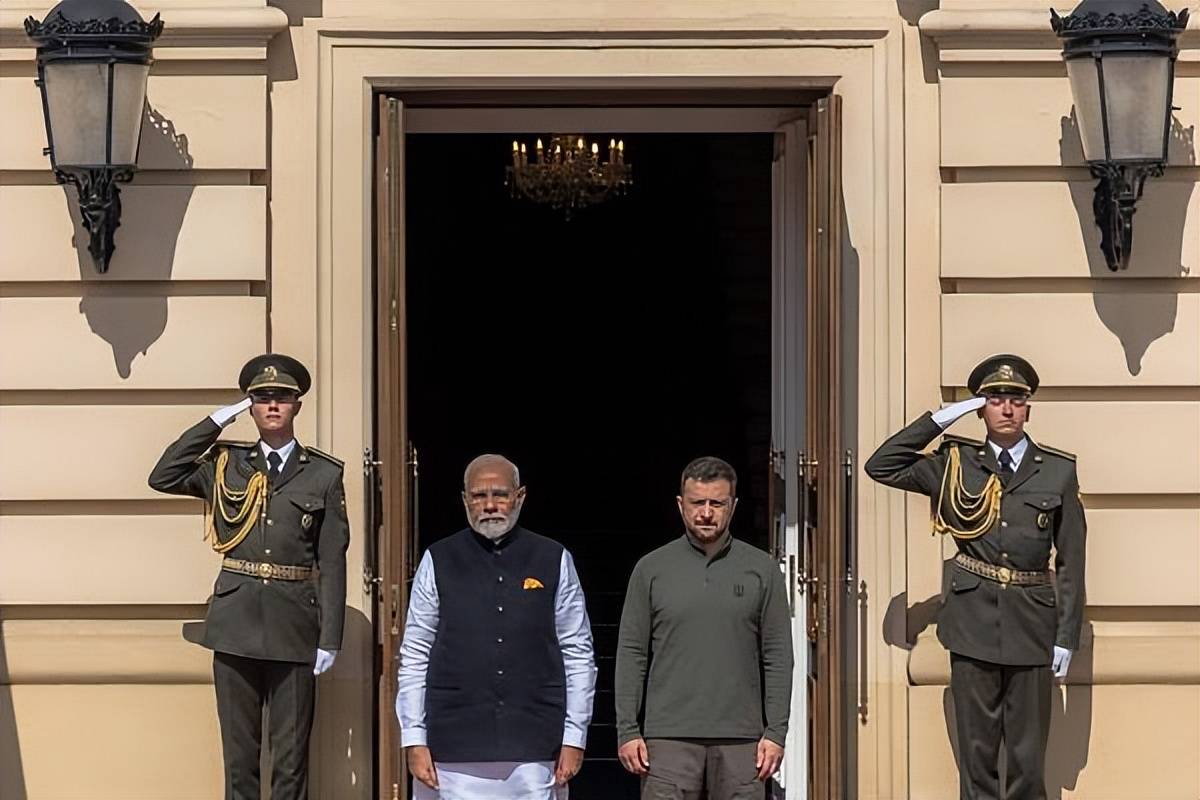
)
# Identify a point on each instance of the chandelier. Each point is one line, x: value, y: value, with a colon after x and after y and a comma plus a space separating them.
x: 568, y: 175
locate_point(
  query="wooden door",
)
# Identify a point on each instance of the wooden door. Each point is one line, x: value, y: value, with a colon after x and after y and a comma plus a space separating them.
x: 823, y: 465
x: 394, y: 466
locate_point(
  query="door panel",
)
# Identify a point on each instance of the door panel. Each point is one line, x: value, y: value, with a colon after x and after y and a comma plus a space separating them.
x: 823, y: 466
x: 789, y: 201
x: 395, y: 468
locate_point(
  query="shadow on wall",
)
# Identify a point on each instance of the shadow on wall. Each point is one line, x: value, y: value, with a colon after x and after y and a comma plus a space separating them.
x: 858, y: 701
x: 12, y: 774
x: 151, y: 218
x: 1138, y: 319
x: 1070, y: 724
x: 1071, y: 708
x: 912, y: 10
x: 344, y: 754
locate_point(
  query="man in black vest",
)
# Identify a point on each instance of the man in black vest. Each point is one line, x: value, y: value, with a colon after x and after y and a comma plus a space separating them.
x: 1006, y: 503
x: 496, y: 674
x: 277, y: 512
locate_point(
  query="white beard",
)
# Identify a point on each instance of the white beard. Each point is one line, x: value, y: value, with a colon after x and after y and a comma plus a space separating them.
x: 495, y: 528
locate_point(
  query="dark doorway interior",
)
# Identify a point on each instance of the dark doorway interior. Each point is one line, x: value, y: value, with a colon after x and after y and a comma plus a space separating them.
x: 600, y: 354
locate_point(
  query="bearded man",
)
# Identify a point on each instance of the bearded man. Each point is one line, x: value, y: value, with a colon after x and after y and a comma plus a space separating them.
x: 704, y: 655
x: 497, y: 674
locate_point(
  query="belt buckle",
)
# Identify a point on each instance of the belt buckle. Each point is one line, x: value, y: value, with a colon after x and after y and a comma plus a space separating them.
x: 264, y: 570
x: 1004, y: 574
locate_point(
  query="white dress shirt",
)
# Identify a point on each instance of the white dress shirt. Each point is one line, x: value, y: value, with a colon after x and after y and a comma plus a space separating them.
x: 1017, y: 451
x: 495, y: 780
x: 283, y: 452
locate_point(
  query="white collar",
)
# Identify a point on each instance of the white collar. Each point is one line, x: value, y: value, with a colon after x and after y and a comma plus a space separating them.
x: 283, y: 452
x: 1017, y: 451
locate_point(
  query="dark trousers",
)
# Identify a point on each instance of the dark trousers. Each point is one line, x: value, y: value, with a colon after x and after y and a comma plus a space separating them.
x: 690, y: 769
x: 994, y: 702
x: 286, y: 689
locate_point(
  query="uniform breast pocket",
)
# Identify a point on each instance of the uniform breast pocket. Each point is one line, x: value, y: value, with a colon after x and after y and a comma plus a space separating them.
x: 1041, y: 511
x: 311, y: 510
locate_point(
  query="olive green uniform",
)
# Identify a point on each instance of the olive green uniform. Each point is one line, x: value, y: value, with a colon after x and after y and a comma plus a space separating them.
x: 265, y: 632
x: 1000, y: 635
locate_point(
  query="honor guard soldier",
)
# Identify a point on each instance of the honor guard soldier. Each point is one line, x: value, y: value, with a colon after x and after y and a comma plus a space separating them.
x: 1009, y: 622
x: 276, y: 511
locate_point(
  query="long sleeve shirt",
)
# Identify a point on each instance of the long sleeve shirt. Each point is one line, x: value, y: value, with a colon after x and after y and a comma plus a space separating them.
x: 574, y: 637
x: 713, y: 637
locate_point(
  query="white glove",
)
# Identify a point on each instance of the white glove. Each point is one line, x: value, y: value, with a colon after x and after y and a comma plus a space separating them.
x: 226, y: 415
x: 324, y: 660
x: 1061, y: 662
x: 948, y: 415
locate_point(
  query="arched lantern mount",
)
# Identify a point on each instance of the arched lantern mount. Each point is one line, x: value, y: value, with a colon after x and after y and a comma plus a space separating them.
x: 1120, y: 57
x: 93, y: 62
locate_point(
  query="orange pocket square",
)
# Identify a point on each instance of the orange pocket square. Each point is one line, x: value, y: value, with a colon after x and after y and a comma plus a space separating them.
x: 533, y: 583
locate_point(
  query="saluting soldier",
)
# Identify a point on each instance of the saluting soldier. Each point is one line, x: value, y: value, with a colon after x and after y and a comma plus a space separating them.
x: 1005, y: 502
x: 276, y: 511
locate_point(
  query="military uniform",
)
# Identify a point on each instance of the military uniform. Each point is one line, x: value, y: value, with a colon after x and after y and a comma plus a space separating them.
x: 279, y: 597
x: 1001, y: 615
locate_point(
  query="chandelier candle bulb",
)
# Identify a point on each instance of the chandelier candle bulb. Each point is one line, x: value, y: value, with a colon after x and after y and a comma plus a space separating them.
x: 571, y: 176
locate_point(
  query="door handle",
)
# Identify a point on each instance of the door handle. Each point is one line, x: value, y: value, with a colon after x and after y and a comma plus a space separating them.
x: 414, y: 477
x: 371, y: 501
x: 395, y: 609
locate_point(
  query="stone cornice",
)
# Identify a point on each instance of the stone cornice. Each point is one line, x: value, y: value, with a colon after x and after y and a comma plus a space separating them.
x: 1008, y: 28
x: 237, y: 26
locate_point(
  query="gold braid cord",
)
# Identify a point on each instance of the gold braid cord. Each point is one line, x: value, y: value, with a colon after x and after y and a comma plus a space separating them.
x: 981, y: 509
x: 247, y: 505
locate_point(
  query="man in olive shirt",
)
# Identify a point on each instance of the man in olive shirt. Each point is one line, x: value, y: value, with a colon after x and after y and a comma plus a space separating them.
x: 706, y: 617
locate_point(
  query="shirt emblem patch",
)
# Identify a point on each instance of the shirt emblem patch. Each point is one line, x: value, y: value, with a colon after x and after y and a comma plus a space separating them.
x: 738, y: 590
x: 532, y: 583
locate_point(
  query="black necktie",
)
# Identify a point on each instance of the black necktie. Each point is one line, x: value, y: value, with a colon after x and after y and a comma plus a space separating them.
x: 275, y: 461
x: 1006, y: 466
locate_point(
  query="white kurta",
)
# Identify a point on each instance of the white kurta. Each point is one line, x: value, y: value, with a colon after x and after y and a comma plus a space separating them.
x: 496, y: 780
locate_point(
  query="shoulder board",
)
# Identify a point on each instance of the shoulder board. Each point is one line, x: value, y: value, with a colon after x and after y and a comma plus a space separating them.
x: 322, y: 454
x: 951, y: 438
x: 224, y: 444
x: 1054, y: 451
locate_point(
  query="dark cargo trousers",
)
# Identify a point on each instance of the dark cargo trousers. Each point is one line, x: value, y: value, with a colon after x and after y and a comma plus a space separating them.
x: 713, y: 769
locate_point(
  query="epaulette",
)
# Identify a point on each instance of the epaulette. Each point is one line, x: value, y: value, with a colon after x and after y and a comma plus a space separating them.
x: 950, y: 438
x: 334, y: 459
x: 1054, y: 451
x: 212, y: 452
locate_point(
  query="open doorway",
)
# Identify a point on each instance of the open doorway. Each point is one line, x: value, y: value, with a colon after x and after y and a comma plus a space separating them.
x: 702, y: 313
x: 600, y: 354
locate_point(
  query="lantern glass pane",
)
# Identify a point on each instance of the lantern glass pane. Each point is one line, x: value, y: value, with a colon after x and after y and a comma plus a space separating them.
x: 129, y: 101
x: 1085, y: 88
x: 77, y: 103
x: 1135, y: 87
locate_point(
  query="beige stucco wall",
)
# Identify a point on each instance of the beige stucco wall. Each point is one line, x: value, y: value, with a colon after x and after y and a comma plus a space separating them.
x: 1020, y: 270
x: 248, y: 229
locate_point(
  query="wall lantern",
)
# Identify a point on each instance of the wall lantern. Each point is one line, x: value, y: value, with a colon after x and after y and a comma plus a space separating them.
x: 93, y: 60
x: 1120, y: 57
